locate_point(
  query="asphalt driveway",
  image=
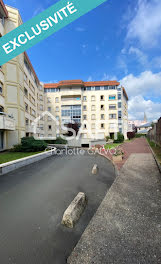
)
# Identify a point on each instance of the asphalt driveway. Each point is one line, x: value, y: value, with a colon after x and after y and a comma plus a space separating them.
x: 33, y: 200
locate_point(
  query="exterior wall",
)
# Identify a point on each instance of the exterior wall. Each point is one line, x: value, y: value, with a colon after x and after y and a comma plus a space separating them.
x: 14, y: 85
x: 91, y: 110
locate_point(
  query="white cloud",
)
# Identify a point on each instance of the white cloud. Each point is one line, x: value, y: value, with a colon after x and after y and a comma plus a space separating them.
x: 107, y: 77
x: 145, y: 84
x: 138, y: 105
x: 146, y: 24
x: 121, y: 64
x: 141, y: 57
x: 90, y: 79
x: 38, y: 10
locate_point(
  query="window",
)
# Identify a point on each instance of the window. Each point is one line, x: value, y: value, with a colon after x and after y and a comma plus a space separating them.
x: 25, y: 92
x: 49, y: 135
x: 27, y: 121
x: 112, y: 97
x: 40, y: 97
x: 41, y: 107
x: 119, y: 105
x: 112, y: 106
x: 49, y: 100
x: 1, y: 88
x: 119, y: 96
x: 102, y: 97
x: 49, y: 109
x: 85, y: 126
x: 102, y: 116
x: 120, y: 130
x: 102, y: 125
x: 57, y: 100
x: 49, y: 118
x: 57, y: 109
x: 49, y: 127
x: 92, y: 98
x: 84, y: 98
x: 41, y: 127
x: 84, y: 107
x: 93, y: 107
x: 102, y: 107
x: 112, y: 116
x: 26, y: 107
x: 119, y: 114
x: 93, y: 117
x: 84, y: 117
x: 25, y: 77
x: 57, y: 118
x: 93, y: 126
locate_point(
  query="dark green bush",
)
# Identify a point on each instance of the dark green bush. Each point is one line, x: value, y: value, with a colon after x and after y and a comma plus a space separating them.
x: 107, y: 138
x: 130, y: 135
x: 59, y: 140
x: 120, y: 138
x: 29, y: 144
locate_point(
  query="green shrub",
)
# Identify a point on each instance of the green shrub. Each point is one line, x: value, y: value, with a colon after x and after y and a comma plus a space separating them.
x: 29, y: 144
x: 59, y: 140
x: 107, y: 138
x: 139, y: 135
x: 120, y: 138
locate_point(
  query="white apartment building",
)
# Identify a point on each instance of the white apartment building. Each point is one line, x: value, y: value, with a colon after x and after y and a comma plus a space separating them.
x: 21, y: 93
x: 101, y: 108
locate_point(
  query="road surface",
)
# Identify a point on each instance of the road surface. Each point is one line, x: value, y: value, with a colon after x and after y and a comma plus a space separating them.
x: 33, y: 200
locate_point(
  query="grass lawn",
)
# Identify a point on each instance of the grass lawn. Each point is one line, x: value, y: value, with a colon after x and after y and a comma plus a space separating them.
x: 156, y: 149
x: 9, y: 156
x: 112, y: 146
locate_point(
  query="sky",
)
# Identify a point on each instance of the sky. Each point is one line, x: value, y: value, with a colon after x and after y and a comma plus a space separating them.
x: 119, y: 40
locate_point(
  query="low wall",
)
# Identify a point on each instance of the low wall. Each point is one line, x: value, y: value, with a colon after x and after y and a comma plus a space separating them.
x: 13, y: 165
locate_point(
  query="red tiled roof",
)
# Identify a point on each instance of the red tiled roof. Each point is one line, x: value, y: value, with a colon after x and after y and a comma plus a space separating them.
x: 102, y: 83
x: 80, y: 83
x: 4, y: 8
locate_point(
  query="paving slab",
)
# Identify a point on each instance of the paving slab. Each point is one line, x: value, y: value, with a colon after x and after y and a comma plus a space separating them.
x: 127, y: 226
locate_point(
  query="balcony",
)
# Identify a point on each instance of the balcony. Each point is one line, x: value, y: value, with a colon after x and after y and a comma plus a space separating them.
x: 31, y: 129
x: 7, y: 122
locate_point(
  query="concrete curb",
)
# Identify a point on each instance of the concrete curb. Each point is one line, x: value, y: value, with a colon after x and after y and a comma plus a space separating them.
x: 15, y: 164
x: 74, y: 211
x: 115, y: 168
x: 155, y: 157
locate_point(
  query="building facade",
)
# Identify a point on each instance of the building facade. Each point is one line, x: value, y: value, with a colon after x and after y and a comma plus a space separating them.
x: 22, y: 95
x: 100, y: 108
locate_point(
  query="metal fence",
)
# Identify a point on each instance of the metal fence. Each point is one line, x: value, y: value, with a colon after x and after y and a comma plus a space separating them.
x: 155, y: 133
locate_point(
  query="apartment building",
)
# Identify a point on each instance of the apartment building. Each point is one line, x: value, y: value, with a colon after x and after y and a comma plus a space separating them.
x: 100, y: 108
x: 21, y: 93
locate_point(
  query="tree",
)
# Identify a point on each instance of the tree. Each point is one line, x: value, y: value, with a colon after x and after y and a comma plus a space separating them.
x: 75, y: 127
x: 130, y: 135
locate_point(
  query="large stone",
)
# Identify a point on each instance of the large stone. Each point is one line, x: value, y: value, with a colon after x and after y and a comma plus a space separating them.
x: 95, y: 169
x: 74, y: 211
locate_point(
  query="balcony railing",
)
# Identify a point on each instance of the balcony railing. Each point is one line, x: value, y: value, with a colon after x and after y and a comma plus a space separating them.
x: 31, y: 129
x: 7, y: 122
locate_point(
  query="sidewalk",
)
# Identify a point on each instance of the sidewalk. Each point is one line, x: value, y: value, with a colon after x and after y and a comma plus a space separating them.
x: 126, y: 228
x: 138, y: 145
